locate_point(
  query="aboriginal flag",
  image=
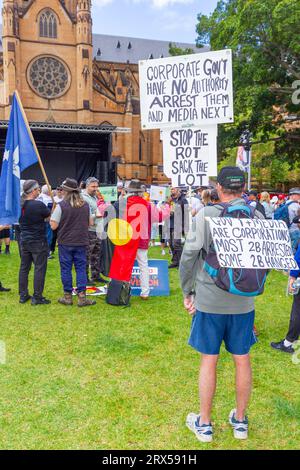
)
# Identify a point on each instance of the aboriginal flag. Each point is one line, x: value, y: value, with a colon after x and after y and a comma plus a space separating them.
x: 125, y: 234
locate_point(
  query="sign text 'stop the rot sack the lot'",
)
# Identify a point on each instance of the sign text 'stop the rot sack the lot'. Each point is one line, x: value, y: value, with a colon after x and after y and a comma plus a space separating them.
x: 185, y: 90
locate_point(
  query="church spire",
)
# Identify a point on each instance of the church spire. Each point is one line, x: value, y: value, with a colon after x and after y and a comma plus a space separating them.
x: 84, y: 22
x: 10, y: 18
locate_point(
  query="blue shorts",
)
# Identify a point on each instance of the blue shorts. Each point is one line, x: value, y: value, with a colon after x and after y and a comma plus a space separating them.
x: 208, y: 330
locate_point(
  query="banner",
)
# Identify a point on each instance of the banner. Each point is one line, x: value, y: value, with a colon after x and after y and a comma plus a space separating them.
x: 110, y: 193
x: 158, y: 193
x: 252, y: 243
x: 186, y: 90
x: 158, y: 278
x: 243, y: 158
x: 190, y: 155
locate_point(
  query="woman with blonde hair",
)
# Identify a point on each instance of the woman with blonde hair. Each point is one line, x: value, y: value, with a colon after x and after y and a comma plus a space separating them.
x: 265, y: 201
x: 205, y: 196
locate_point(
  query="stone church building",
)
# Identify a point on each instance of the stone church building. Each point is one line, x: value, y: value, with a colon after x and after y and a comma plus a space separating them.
x: 80, y: 92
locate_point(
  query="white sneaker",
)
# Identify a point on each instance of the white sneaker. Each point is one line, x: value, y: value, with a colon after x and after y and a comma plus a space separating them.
x: 240, y: 428
x: 204, y: 433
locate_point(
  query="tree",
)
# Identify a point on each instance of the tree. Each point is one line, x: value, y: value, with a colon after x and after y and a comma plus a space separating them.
x: 264, y: 38
x: 175, y: 50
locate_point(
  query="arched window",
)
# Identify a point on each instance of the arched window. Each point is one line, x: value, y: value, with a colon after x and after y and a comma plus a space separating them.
x: 48, y: 24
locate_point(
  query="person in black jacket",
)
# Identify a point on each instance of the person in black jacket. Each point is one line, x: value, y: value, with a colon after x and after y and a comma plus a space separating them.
x: 179, y: 224
x: 34, y: 247
x: 254, y: 202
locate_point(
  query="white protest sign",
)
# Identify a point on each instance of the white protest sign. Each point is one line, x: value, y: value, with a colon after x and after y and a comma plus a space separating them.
x: 190, y: 155
x: 158, y: 193
x: 252, y: 243
x: 186, y: 90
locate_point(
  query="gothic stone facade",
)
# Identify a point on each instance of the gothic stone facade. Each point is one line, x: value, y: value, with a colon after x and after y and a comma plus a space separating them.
x: 48, y: 57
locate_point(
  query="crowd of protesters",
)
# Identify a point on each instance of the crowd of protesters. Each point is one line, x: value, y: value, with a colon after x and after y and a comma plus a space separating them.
x: 74, y: 217
x: 37, y: 230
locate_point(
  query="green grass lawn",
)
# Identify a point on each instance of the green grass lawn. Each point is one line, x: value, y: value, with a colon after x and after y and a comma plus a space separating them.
x: 124, y: 378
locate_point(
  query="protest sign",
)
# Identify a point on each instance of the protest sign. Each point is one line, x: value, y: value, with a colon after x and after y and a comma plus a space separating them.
x: 252, y: 243
x: 110, y: 193
x: 158, y: 193
x: 190, y: 155
x: 186, y: 90
x: 158, y: 278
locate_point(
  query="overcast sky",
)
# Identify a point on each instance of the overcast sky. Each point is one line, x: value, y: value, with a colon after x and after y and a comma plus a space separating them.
x: 173, y: 20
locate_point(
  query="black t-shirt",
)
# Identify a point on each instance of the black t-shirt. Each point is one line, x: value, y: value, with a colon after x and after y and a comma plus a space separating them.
x: 32, y: 221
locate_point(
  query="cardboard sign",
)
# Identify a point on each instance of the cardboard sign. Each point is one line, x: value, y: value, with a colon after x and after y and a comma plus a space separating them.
x: 110, y: 193
x: 190, y: 155
x: 159, y: 278
x: 188, y: 90
x: 158, y: 193
x: 252, y: 243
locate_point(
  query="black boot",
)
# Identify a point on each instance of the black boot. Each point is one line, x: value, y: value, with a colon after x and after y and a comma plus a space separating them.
x: 40, y: 301
x: 3, y: 289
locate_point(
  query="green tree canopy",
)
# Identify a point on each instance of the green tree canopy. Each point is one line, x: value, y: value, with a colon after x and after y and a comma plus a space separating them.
x: 175, y: 50
x: 264, y: 38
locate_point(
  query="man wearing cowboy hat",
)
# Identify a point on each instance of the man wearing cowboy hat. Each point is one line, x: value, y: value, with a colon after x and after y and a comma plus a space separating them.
x: 72, y: 219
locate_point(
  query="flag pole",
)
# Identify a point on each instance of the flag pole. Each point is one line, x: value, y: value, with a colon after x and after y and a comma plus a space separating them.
x: 34, y: 145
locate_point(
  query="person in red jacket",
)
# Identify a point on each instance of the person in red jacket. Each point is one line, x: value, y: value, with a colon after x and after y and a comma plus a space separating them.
x: 147, y: 217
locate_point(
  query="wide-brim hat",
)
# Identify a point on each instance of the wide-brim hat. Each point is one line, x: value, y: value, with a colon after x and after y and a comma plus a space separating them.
x: 70, y: 185
x: 294, y: 191
x: 136, y: 186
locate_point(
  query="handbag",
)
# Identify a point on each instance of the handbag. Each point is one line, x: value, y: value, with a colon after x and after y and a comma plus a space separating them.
x: 118, y: 293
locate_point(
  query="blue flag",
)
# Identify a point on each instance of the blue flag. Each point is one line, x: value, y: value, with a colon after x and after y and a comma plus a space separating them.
x: 19, y: 154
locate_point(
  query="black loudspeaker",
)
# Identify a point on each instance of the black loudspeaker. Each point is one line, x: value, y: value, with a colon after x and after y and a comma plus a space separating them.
x: 103, y: 172
x: 113, y: 177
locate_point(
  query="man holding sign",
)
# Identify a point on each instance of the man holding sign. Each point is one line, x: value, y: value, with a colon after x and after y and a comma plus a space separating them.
x: 217, y: 315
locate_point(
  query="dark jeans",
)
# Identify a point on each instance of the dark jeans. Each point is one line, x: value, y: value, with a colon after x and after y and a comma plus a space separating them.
x: 37, y: 253
x: 294, y: 328
x: 176, y: 248
x: 69, y: 255
x: 94, y: 256
x: 49, y: 236
x: 17, y: 237
x: 53, y: 241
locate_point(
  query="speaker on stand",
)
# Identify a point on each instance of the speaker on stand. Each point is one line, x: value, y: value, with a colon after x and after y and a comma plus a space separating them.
x: 103, y: 172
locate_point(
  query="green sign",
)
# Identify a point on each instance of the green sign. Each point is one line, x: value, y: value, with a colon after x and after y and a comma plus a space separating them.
x: 110, y: 193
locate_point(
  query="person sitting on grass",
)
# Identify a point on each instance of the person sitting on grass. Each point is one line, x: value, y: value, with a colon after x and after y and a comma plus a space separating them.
x: 71, y: 218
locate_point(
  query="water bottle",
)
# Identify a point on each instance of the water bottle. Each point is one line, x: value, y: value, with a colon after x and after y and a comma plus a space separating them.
x: 296, y: 286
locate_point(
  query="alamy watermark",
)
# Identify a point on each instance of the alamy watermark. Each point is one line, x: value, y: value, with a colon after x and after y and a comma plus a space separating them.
x: 2, y: 352
x: 296, y: 355
x: 296, y: 94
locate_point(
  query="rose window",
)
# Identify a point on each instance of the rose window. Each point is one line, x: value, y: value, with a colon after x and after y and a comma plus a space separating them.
x: 48, y: 77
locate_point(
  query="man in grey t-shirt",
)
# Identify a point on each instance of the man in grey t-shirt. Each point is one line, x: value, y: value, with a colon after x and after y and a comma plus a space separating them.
x: 94, y: 254
x: 217, y: 315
